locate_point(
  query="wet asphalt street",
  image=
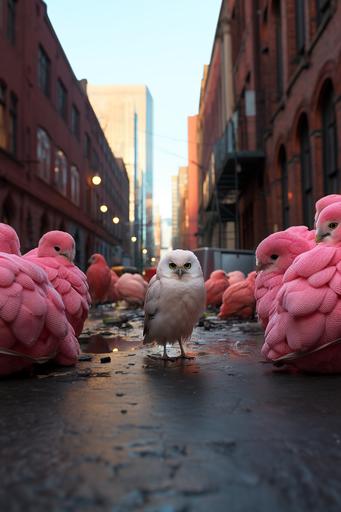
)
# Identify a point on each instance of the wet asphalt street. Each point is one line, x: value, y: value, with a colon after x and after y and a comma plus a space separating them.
x: 221, y: 432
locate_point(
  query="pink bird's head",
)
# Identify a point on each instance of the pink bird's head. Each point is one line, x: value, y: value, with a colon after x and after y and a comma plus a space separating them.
x: 325, y: 201
x: 9, y: 241
x: 277, y: 251
x: 57, y: 243
x: 97, y: 259
x: 328, y: 227
x: 218, y: 274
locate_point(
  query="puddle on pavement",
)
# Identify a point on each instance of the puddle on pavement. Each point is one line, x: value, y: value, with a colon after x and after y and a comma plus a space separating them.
x: 98, y: 344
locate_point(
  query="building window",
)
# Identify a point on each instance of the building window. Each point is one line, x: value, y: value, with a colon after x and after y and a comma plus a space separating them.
x: 329, y: 141
x: 3, y: 134
x: 11, y: 17
x: 87, y: 146
x: 283, y: 166
x: 43, y: 154
x: 75, y: 187
x: 62, y: 99
x: 75, y: 121
x: 13, y: 124
x: 60, y: 172
x: 306, y: 172
x: 279, y: 49
x: 44, y: 69
x: 300, y: 26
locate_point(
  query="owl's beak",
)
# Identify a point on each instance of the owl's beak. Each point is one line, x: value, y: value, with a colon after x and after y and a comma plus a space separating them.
x: 180, y: 272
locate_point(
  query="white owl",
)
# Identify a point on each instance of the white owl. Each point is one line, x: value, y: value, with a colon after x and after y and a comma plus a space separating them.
x: 175, y: 300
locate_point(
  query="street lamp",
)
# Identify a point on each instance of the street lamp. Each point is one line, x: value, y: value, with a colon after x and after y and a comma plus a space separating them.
x: 144, y: 251
x: 103, y: 208
x: 153, y: 259
x: 133, y: 239
x: 96, y: 180
x: 116, y: 220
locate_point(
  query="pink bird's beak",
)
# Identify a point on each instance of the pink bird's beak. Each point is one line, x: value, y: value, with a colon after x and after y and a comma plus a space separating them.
x: 320, y: 236
x: 180, y: 272
x: 68, y: 255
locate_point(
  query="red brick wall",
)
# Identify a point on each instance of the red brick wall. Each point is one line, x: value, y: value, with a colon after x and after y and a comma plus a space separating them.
x: 29, y: 196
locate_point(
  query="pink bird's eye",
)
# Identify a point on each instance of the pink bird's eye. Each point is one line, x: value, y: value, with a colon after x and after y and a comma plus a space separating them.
x: 274, y: 256
x: 172, y: 266
x: 332, y: 225
x: 57, y: 248
x: 187, y: 266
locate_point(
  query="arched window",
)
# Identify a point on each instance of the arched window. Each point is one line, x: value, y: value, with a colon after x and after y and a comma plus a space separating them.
x: 306, y: 172
x: 60, y: 172
x: 74, y: 182
x: 329, y: 140
x: 283, y: 166
x: 43, y: 154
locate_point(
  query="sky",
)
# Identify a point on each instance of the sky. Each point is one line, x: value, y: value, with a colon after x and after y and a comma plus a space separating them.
x: 163, y: 44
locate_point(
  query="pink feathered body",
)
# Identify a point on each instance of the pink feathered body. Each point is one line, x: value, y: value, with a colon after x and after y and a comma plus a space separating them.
x: 236, y: 276
x: 286, y: 245
x: 69, y: 281
x: 99, y: 278
x: 112, y: 293
x: 239, y: 299
x: 131, y: 288
x: 33, y: 325
x: 215, y: 287
x: 308, y: 311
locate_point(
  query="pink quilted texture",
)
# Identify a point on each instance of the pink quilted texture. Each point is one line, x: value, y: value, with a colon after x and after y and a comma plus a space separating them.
x: 322, y: 277
x: 25, y: 326
x: 307, y: 316
x: 55, y: 254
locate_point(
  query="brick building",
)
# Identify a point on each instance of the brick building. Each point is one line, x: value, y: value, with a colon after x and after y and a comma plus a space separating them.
x: 276, y: 151
x: 51, y: 143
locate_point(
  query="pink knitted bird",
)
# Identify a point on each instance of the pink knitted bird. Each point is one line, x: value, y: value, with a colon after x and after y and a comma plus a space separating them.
x: 112, y: 295
x: 33, y: 325
x: 55, y: 254
x: 304, y: 330
x: 215, y: 287
x: 325, y: 201
x: 236, y: 276
x: 273, y: 256
x: 239, y: 299
x: 99, y: 278
x: 131, y: 288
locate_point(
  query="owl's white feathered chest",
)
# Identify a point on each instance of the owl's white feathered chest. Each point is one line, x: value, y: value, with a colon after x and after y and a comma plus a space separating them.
x: 180, y: 305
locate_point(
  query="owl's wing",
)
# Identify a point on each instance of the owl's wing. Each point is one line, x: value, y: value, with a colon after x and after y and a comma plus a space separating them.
x: 151, y: 302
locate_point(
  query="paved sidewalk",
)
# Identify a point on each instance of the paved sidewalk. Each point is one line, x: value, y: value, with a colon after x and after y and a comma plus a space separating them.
x: 222, y: 432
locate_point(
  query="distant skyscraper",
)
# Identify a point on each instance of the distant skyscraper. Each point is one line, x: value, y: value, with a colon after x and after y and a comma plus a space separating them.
x: 126, y: 116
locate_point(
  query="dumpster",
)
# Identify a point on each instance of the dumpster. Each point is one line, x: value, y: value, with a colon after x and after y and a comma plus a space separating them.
x: 213, y: 258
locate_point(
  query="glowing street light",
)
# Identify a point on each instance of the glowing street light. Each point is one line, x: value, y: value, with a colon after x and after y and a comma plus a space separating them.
x: 116, y: 220
x: 96, y: 180
x: 144, y: 251
x: 153, y: 259
x: 133, y: 239
x: 103, y: 208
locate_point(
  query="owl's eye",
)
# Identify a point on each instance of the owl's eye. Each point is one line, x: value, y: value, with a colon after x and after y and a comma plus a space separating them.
x: 172, y: 266
x: 274, y: 256
x: 57, y: 248
x: 187, y: 266
x: 332, y: 225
